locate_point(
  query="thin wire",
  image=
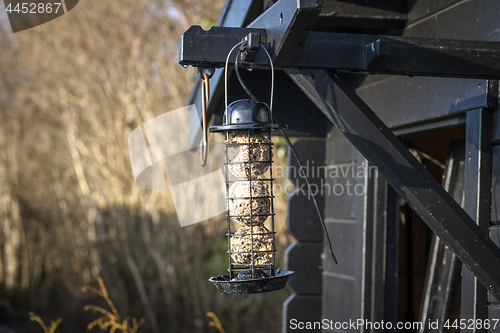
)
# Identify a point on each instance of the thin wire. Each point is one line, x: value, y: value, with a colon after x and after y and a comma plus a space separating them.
x: 272, y: 77
x: 301, y: 169
x: 241, y: 81
x: 252, y: 96
x: 227, y: 64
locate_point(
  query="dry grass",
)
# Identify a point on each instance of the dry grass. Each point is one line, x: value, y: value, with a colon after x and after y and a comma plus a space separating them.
x: 46, y: 329
x: 111, y: 319
x: 215, y: 322
x: 71, y: 91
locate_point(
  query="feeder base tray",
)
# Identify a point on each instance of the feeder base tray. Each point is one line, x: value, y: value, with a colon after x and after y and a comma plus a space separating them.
x: 243, y: 284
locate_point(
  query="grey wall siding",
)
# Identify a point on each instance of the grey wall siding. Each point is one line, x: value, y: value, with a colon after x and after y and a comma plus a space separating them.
x: 472, y: 19
x: 404, y: 104
x: 304, y: 255
x: 403, y: 101
x: 420, y: 9
x: 345, y: 215
x: 363, y: 231
x: 495, y: 185
x: 494, y: 304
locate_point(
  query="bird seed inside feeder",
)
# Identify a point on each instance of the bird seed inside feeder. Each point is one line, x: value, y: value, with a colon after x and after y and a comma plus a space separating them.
x: 258, y: 206
x: 241, y: 153
x: 262, y: 246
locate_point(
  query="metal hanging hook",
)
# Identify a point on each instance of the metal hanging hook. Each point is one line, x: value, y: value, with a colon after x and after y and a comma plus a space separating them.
x: 239, y: 77
x: 205, y: 96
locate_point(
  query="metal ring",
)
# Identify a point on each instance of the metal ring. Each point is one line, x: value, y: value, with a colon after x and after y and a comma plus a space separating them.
x: 205, y: 95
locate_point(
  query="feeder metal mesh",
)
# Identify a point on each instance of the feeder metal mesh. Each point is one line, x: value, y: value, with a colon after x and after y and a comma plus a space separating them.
x: 249, y: 202
x: 244, y: 149
x: 241, y: 245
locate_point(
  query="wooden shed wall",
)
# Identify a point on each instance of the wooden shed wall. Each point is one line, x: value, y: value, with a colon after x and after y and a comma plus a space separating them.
x: 406, y: 105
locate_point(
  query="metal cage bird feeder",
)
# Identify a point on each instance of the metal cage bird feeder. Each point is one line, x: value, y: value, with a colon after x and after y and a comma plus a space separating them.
x: 247, y: 128
x: 250, y: 200
x: 249, y: 193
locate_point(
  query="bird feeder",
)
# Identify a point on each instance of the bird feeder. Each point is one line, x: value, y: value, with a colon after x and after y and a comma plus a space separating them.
x: 250, y: 200
x: 247, y: 126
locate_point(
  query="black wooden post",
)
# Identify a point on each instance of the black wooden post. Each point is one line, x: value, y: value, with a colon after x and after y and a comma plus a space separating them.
x: 477, y: 189
x: 381, y: 227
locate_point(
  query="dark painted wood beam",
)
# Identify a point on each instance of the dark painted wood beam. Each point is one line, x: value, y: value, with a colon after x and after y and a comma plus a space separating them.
x: 338, y: 101
x: 362, y: 14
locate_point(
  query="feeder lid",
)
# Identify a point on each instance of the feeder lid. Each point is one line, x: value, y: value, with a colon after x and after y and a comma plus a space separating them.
x: 247, y: 114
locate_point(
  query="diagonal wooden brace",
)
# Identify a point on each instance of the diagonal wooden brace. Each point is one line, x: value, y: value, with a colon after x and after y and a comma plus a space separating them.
x: 343, y: 107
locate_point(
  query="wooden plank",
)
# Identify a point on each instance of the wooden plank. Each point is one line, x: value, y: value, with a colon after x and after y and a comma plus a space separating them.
x: 496, y: 128
x: 494, y: 315
x: 302, y: 221
x: 342, y: 300
x: 372, y: 14
x: 312, y: 155
x: 301, y: 309
x: 395, y: 9
x: 422, y: 99
x: 495, y: 237
x: 391, y: 259
x: 477, y: 204
x: 344, y: 179
x: 495, y: 234
x: 344, y: 190
x: 456, y: 120
x: 402, y: 101
x: 305, y: 260
x: 495, y: 185
x: 344, y: 219
x: 302, y: 218
x: 346, y: 243
x: 344, y: 201
x: 420, y: 9
x: 364, y: 237
x: 472, y: 20
x: 339, y: 150
x: 380, y: 246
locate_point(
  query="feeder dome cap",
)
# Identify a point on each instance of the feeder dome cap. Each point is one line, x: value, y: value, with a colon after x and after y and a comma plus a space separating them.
x: 247, y: 114
x: 247, y: 111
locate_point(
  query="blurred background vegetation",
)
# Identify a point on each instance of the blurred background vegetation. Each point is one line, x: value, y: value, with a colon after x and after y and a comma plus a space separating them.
x: 71, y: 91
